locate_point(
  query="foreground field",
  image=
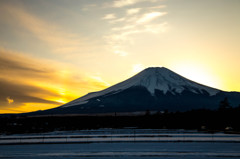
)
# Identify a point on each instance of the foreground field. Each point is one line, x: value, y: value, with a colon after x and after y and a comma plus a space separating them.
x: 121, y: 143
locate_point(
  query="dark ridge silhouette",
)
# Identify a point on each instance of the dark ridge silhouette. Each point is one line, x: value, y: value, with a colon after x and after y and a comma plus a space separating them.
x: 223, y: 119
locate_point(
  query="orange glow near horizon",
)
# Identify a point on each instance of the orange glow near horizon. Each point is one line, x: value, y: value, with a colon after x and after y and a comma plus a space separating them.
x: 61, y: 97
x: 40, y: 86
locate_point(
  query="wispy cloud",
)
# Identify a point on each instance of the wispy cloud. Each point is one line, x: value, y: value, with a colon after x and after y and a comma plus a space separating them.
x: 123, y: 3
x: 109, y: 16
x: 133, y: 11
x: 158, y: 7
x: 117, y: 20
x: 26, y: 82
x: 137, y: 20
x: 56, y: 37
x: 9, y: 100
x: 150, y: 16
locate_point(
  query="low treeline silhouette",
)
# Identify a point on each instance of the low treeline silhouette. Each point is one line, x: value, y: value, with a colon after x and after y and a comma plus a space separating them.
x: 224, y: 119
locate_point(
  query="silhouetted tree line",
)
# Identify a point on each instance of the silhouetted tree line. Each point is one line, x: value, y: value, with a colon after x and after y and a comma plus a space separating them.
x: 225, y: 118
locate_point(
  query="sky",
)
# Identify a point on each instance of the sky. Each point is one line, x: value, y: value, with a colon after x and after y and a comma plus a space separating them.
x: 54, y: 51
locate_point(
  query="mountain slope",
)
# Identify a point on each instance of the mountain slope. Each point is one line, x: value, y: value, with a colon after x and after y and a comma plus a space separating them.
x: 152, y: 89
x: 153, y: 79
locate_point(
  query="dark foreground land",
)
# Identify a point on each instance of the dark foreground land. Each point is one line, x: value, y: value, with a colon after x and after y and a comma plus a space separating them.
x: 122, y: 151
x: 207, y: 120
x: 122, y: 144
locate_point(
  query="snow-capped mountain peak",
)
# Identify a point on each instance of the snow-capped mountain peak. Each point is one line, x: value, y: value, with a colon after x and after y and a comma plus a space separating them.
x: 153, y: 78
x: 167, y: 81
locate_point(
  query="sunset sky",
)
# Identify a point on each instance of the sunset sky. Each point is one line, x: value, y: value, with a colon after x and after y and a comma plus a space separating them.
x: 53, y: 51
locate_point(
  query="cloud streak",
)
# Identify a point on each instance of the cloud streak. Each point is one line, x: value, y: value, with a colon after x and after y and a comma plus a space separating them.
x: 109, y: 16
x: 136, y: 21
x: 56, y: 37
x: 150, y: 16
x: 9, y: 100
x: 133, y: 11
x: 26, y: 82
x: 124, y: 3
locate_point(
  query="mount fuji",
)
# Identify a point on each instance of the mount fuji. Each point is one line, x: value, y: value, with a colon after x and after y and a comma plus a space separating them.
x: 153, y: 89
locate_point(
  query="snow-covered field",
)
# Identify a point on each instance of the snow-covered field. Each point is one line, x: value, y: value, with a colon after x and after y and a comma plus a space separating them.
x: 122, y: 144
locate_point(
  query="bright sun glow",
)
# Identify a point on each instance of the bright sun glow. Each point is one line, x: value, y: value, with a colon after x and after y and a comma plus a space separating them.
x: 137, y: 68
x: 61, y: 101
x: 198, y: 74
